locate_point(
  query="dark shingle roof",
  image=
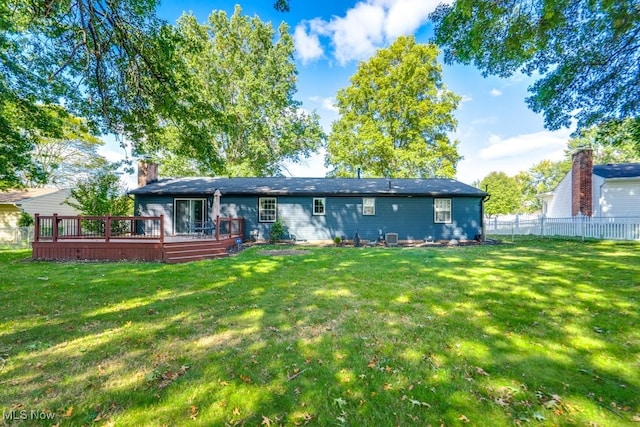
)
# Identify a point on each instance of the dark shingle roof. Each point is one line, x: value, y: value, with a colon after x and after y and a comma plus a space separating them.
x: 311, y: 187
x: 622, y: 170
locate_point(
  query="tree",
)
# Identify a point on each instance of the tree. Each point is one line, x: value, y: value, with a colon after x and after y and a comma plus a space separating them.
x: 68, y: 158
x: 586, y: 52
x: 395, y: 117
x: 543, y: 177
x: 615, y: 142
x: 243, y: 119
x: 505, y: 194
x: 102, y: 194
x: 110, y: 61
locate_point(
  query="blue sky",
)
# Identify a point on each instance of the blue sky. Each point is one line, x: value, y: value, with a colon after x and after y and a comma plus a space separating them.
x: 496, y: 130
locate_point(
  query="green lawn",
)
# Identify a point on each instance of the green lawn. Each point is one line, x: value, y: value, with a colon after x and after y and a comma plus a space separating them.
x: 540, y: 332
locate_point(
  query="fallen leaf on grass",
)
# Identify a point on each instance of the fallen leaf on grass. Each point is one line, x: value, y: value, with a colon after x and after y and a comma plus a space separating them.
x: 193, y: 412
x: 68, y: 412
x: 169, y: 376
x: 418, y: 403
x: 464, y: 419
x: 236, y: 411
x: 265, y: 421
x: 339, y: 401
x: 481, y: 371
x: 538, y: 416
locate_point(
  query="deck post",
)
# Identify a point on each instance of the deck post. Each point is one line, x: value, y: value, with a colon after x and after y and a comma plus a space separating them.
x: 217, y: 227
x: 161, y: 228
x: 54, y: 228
x: 36, y: 228
x: 107, y: 228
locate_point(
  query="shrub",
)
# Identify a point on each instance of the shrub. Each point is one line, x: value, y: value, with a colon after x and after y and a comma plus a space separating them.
x: 25, y: 220
x: 337, y: 240
x: 277, y: 231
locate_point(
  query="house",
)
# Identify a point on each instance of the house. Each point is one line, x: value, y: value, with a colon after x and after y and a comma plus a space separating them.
x: 600, y: 191
x: 317, y: 209
x: 45, y: 201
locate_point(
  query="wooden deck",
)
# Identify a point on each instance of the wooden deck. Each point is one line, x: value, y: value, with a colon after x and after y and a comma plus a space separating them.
x: 66, y: 240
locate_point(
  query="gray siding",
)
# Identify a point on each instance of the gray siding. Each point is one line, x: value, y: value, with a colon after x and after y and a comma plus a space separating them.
x: 410, y: 217
x: 156, y: 206
x: 49, y: 204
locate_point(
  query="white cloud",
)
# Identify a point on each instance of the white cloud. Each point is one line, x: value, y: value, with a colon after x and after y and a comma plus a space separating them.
x: 495, y: 92
x: 525, y: 145
x: 406, y: 16
x: 358, y: 34
x: 328, y: 103
x: 366, y: 27
x: 308, y: 45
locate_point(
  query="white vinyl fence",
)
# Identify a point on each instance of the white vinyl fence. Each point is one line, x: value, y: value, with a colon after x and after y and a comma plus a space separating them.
x: 16, y: 237
x: 579, y: 226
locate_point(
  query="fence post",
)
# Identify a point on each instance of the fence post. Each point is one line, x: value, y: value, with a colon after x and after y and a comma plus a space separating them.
x: 582, y: 226
x: 107, y: 228
x: 36, y: 228
x: 161, y: 228
x: 542, y: 226
x: 54, y: 228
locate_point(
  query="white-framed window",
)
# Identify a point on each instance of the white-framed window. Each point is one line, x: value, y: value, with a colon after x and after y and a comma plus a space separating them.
x: 267, y: 208
x: 319, y: 206
x: 368, y: 206
x: 442, y: 210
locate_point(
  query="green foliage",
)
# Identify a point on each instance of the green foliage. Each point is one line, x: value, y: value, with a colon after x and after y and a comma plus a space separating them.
x: 586, y: 52
x: 277, y: 231
x: 239, y: 83
x: 506, y: 196
x: 25, y: 220
x: 395, y: 117
x: 615, y: 142
x: 543, y: 177
x: 102, y: 194
x: 109, y: 61
x: 337, y: 240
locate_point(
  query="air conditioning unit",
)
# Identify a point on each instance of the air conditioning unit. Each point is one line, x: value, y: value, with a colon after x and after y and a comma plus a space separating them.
x: 391, y: 239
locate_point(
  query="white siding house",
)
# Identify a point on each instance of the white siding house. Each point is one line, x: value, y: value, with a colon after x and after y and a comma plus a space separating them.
x: 615, y: 193
x: 617, y: 197
x: 557, y: 204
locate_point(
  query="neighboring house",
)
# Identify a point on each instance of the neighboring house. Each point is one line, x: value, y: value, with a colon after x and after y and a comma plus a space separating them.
x: 602, y: 191
x: 319, y: 209
x: 45, y: 201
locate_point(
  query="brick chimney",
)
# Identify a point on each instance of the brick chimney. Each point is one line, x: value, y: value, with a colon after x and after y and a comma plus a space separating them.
x: 581, y: 182
x: 147, y: 172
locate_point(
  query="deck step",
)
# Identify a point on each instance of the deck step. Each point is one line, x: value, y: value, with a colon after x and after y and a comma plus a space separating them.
x: 188, y: 258
x: 194, y: 251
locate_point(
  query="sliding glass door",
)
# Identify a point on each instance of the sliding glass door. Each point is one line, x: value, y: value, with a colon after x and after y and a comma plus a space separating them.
x: 187, y: 212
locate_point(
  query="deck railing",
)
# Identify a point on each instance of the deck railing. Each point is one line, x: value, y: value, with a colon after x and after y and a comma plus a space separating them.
x: 58, y: 227
x: 106, y: 228
x: 231, y: 227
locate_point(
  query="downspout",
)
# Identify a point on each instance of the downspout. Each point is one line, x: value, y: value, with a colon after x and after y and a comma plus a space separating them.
x: 483, y: 236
